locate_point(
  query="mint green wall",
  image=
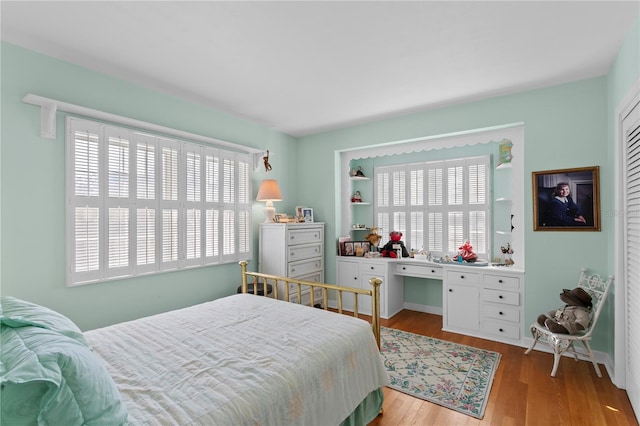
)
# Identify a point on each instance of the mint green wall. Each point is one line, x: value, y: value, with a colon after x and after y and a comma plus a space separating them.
x: 33, y: 179
x: 565, y: 126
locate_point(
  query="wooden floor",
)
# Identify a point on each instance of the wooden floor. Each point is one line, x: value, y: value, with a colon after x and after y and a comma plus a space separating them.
x: 523, y: 392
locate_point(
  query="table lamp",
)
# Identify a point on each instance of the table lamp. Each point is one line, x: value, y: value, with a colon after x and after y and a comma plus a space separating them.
x: 269, y: 192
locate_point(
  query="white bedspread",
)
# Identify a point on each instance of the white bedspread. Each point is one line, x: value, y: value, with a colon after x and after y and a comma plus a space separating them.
x: 243, y: 359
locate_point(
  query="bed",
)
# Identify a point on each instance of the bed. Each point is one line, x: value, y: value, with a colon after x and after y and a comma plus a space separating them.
x: 238, y: 360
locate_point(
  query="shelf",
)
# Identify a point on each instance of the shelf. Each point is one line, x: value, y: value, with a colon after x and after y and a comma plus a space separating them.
x: 503, y: 199
x: 360, y: 204
x: 359, y: 178
x: 503, y: 166
x: 503, y: 232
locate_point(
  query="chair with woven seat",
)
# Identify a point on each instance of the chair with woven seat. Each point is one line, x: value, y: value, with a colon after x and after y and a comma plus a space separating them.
x: 598, y: 289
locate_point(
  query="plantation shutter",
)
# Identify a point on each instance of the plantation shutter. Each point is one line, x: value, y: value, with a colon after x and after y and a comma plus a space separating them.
x: 193, y: 204
x: 212, y: 207
x: 243, y: 206
x: 140, y: 204
x: 118, y: 202
x: 436, y: 205
x: 455, y: 213
x: 84, y: 202
x: 146, y: 203
x: 435, y: 208
x: 631, y: 131
x: 478, y: 204
x: 170, y: 206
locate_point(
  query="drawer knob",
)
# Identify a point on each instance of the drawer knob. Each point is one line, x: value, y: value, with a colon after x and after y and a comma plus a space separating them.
x: 355, y: 278
x: 500, y: 330
x: 500, y: 313
x: 450, y: 290
x: 293, y: 269
x: 500, y: 281
x: 433, y: 271
x: 404, y: 268
x: 371, y: 268
x: 500, y: 297
x: 462, y: 276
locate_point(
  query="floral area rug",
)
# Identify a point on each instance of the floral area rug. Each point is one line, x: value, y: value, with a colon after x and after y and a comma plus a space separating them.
x: 455, y: 376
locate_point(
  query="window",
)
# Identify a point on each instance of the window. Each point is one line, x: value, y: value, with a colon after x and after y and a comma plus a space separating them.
x: 141, y: 204
x: 436, y: 205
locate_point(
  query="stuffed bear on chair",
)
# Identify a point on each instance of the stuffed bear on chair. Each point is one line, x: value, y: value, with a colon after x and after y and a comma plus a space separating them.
x: 574, y: 317
x: 391, y: 248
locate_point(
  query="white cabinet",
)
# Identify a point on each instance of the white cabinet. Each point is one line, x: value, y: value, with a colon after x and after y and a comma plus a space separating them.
x: 356, y: 272
x: 463, y: 301
x: 294, y: 250
x: 484, y: 302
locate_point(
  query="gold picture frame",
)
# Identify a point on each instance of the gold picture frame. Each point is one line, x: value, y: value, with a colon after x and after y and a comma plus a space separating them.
x: 566, y: 199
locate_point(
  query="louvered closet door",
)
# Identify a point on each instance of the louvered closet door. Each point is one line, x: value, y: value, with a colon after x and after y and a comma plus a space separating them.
x: 631, y: 129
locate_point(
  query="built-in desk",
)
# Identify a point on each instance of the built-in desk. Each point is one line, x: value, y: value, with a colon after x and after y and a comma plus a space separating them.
x: 480, y: 301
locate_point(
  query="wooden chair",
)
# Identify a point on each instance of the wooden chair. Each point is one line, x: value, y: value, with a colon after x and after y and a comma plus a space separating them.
x: 561, y: 343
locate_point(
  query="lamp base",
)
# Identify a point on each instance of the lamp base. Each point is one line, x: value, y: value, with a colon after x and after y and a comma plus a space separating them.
x: 269, y: 212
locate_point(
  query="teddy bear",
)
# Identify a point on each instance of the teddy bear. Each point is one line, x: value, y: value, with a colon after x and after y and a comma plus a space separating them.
x: 574, y: 317
x: 373, y: 237
x: 394, y: 244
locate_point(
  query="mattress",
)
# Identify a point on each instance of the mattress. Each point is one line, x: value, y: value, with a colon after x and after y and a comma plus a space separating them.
x: 241, y: 360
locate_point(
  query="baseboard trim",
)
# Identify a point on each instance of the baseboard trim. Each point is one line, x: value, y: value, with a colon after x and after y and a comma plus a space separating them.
x: 423, y: 308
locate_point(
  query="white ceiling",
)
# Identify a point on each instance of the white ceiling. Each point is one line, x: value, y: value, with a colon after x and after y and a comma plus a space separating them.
x: 307, y: 67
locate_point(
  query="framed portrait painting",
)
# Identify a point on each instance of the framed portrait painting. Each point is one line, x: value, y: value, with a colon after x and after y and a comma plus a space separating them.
x: 566, y: 199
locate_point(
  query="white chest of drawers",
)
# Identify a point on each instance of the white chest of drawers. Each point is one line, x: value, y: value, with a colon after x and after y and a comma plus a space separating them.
x: 484, y: 302
x: 294, y: 250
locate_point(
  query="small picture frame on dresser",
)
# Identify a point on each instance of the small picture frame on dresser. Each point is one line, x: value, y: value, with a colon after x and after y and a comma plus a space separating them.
x: 349, y: 248
x: 307, y: 214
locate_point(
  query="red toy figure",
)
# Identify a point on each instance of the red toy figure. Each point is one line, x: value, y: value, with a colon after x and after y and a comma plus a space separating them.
x: 465, y: 252
x: 394, y: 245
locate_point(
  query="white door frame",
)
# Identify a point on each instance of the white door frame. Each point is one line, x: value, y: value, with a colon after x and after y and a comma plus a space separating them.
x: 620, y: 343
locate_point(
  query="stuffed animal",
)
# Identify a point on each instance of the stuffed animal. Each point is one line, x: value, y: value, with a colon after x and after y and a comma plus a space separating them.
x: 574, y: 317
x: 373, y: 237
x: 394, y: 245
x: 465, y: 253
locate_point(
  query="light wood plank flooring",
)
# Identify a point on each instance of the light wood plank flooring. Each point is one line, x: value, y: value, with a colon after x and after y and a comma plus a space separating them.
x: 523, y: 392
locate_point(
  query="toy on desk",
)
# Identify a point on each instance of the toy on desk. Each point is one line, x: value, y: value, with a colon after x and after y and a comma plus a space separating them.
x: 465, y: 253
x: 373, y: 237
x: 395, y: 247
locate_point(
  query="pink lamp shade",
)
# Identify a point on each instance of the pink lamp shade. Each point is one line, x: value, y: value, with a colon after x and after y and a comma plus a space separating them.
x: 269, y: 192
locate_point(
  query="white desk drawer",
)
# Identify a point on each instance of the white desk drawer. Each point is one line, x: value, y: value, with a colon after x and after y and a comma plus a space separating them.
x: 307, y: 251
x: 501, y: 296
x: 501, y: 282
x: 304, y: 267
x: 463, y: 277
x: 304, y: 236
x: 497, y: 328
x: 371, y: 268
x: 507, y: 313
x: 419, y: 270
